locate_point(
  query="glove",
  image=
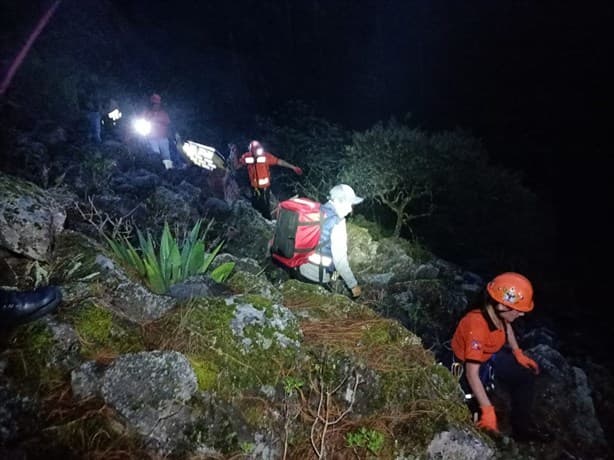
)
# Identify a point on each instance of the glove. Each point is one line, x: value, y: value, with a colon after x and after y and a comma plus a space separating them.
x: 488, y: 420
x: 356, y: 291
x: 525, y: 361
x: 298, y: 171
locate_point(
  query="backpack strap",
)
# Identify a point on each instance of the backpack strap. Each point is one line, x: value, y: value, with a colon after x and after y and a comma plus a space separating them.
x: 321, y: 265
x: 323, y: 221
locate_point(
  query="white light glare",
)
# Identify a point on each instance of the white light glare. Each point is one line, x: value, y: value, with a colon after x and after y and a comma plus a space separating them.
x: 142, y: 126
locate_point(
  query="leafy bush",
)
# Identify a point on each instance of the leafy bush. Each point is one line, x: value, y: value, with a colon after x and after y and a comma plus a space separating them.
x: 167, y: 263
x: 392, y: 164
x: 443, y: 191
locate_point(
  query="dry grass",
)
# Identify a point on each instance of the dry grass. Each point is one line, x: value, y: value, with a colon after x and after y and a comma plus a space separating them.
x: 349, y: 335
x: 85, y: 429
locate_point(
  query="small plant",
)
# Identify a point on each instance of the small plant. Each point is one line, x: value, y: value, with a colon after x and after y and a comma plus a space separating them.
x: 166, y: 263
x: 222, y: 272
x: 292, y: 384
x: 247, y: 447
x: 366, y: 438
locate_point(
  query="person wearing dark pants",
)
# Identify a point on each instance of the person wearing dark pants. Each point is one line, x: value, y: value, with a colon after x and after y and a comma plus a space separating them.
x: 520, y: 383
x: 261, y: 201
x: 503, y: 370
x: 481, y: 357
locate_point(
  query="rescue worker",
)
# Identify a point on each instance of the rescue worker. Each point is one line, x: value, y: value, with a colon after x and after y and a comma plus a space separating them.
x: 332, y: 259
x: 158, y: 138
x: 481, y: 357
x: 18, y: 307
x: 258, y: 164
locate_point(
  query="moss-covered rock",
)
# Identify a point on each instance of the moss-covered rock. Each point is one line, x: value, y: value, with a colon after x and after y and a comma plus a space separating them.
x: 31, y: 358
x: 102, y: 333
x: 247, y: 341
x: 306, y: 299
x: 206, y: 372
x: 242, y: 282
x: 362, y: 247
x: 218, y: 429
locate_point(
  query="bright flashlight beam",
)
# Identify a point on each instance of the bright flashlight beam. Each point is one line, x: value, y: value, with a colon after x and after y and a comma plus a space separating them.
x: 142, y: 126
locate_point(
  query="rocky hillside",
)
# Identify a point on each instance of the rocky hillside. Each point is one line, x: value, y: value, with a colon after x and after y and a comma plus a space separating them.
x: 257, y: 367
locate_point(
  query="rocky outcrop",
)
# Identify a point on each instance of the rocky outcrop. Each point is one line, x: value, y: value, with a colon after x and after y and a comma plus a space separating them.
x: 248, y: 365
x: 426, y: 294
x: 150, y: 390
x: 564, y: 405
x: 458, y: 445
x: 30, y: 219
x: 247, y: 232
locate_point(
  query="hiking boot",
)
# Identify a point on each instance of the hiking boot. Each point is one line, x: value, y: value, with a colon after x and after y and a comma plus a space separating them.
x: 20, y: 307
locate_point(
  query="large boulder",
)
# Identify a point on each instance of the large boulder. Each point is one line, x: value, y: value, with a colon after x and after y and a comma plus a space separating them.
x: 459, y: 445
x: 564, y: 404
x: 247, y: 232
x: 178, y: 205
x: 149, y: 390
x: 29, y: 218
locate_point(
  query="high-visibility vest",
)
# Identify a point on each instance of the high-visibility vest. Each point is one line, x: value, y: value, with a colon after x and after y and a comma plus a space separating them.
x: 258, y: 170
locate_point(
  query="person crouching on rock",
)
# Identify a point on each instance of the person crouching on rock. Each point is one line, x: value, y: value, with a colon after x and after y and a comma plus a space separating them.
x: 481, y: 356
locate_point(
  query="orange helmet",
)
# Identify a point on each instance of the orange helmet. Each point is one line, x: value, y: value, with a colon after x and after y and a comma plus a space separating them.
x: 512, y: 290
x: 155, y: 99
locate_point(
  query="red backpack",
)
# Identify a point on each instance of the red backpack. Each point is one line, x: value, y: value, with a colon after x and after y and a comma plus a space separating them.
x: 297, y: 232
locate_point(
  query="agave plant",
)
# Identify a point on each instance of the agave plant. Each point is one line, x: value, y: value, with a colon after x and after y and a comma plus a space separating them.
x: 168, y: 262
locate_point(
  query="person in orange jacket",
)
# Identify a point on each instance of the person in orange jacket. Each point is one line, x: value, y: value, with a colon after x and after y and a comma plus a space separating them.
x: 481, y: 356
x: 258, y: 164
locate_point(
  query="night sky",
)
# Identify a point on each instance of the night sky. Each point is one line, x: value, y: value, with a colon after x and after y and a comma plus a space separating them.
x: 531, y: 79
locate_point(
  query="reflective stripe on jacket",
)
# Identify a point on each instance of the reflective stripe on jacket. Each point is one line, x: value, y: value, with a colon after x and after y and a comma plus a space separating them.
x: 258, y: 168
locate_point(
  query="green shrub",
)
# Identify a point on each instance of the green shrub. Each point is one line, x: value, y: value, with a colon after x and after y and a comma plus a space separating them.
x: 169, y: 262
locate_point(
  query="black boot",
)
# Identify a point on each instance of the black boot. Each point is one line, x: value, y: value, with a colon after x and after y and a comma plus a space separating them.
x: 20, y: 307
